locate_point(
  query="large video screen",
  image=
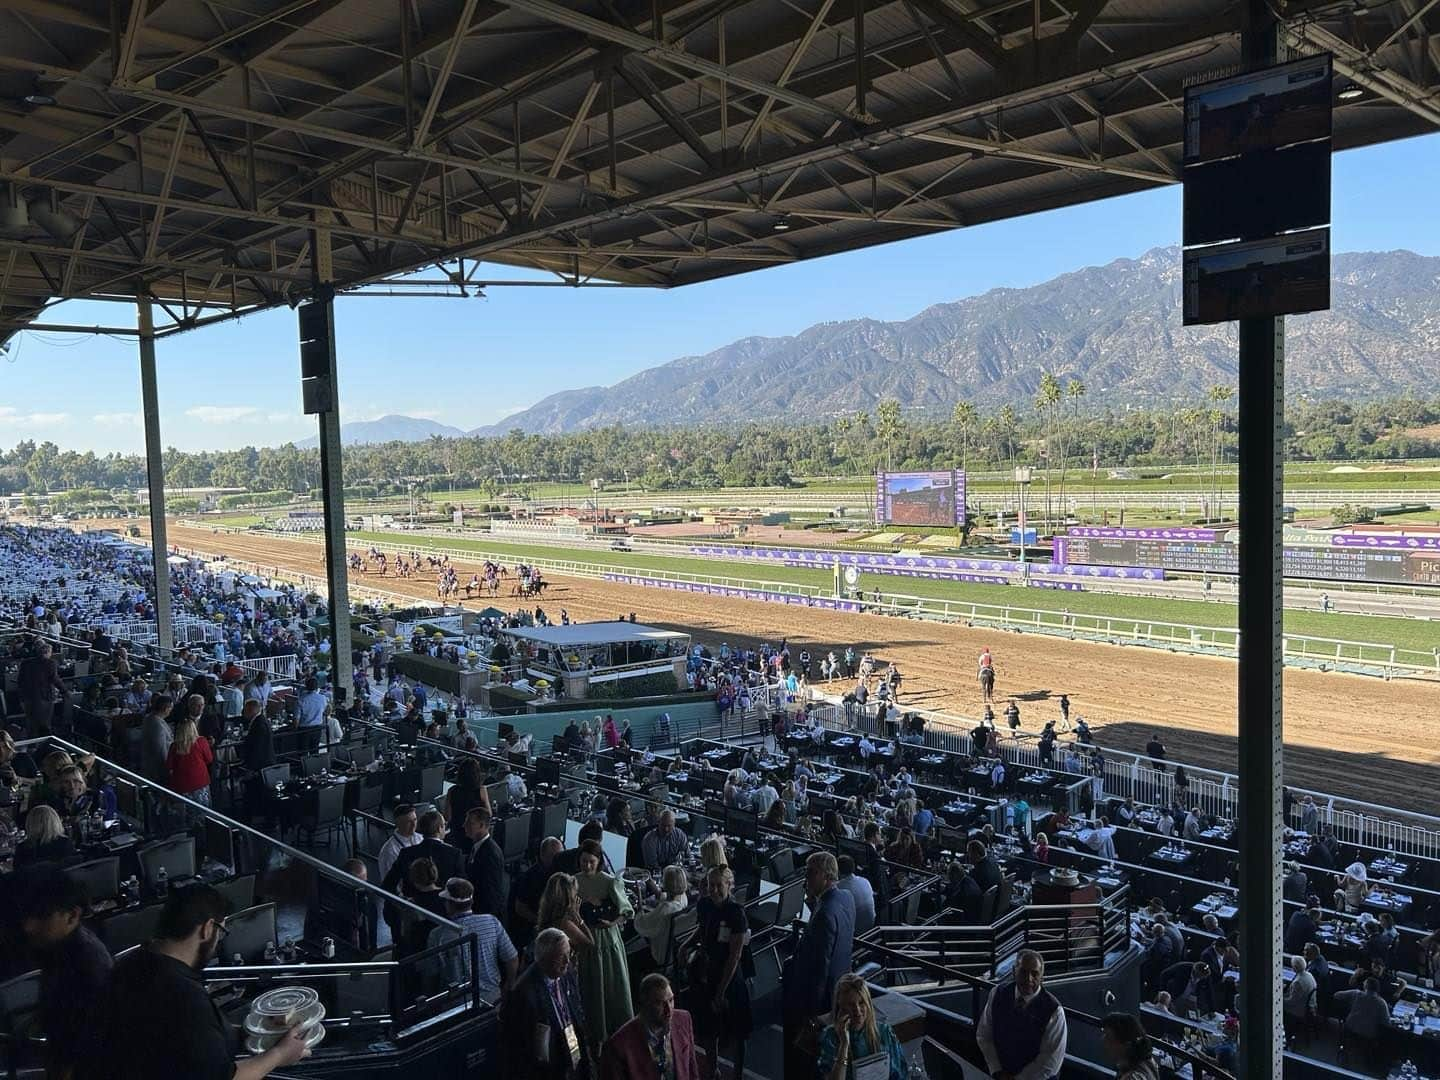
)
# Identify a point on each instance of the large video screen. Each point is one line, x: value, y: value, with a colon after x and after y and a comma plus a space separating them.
x: 936, y: 499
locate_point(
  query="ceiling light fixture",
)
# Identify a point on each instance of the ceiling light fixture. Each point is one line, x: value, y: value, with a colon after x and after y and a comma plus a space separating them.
x: 37, y: 98
x: 782, y: 223
x: 1350, y: 93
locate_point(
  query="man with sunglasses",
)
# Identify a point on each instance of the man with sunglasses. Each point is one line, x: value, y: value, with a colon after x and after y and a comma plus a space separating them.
x: 157, y: 1019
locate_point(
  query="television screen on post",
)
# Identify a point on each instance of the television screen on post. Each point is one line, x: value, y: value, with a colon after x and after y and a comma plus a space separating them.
x: 547, y: 771
x: 406, y: 733
x: 219, y: 843
x: 505, y: 730
x: 936, y: 499
x: 604, y: 765
x: 742, y: 824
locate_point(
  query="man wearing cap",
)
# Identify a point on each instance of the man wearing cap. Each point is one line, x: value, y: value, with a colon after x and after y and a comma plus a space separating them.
x: 497, y: 962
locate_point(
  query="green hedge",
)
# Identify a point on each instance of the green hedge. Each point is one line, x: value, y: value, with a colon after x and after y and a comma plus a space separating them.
x: 507, y: 701
x: 659, y: 701
x: 430, y: 671
x: 642, y: 686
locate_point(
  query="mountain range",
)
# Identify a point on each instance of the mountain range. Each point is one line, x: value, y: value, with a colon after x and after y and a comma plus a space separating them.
x: 1115, y: 327
x: 388, y: 429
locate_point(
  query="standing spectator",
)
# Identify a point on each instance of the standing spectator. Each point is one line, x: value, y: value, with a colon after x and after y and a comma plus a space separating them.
x: 820, y: 959
x: 157, y: 1019
x: 658, y: 1044
x: 74, y: 968
x: 1022, y: 1030
x: 156, y: 736
x: 497, y: 960
x: 188, y: 762
x: 860, y: 891
x: 1155, y: 750
x: 722, y: 997
x: 485, y: 866
x: 404, y: 836
x: 38, y: 681
x: 604, y: 968
x: 543, y: 1016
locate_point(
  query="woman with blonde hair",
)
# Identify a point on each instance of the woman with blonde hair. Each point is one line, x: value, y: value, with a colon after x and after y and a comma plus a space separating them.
x: 855, y: 1037
x: 189, y: 762
x: 45, y: 837
x: 655, y: 925
x: 712, y: 853
x: 560, y: 908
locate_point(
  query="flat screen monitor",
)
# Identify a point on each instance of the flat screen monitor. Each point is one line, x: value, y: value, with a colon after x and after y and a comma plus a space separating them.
x: 856, y: 849
x: 406, y: 733
x: 220, y: 843
x: 547, y: 771
x: 176, y: 856
x: 249, y: 932
x: 362, y: 756
x: 505, y: 730
x: 604, y: 765
x: 558, y: 745
x: 99, y: 877
x: 338, y: 906
x: 499, y: 795
x: 128, y: 801
x: 742, y: 824
x: 518, y: 759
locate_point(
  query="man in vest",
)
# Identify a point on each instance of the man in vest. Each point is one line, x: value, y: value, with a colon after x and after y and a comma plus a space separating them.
x: 1022, y: 1031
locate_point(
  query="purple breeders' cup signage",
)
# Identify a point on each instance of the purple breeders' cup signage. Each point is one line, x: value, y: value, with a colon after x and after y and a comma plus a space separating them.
x: 1145, y: 534
x: 960, y: 497
x: 882, y: 511
x: 1387, y: 542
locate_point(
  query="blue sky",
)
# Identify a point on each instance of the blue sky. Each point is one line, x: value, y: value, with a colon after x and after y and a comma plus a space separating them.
x: 471, y: 362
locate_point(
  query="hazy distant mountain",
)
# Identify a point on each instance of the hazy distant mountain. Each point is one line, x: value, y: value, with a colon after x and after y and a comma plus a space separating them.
x: 389, y: 429
x: 1116, y: 327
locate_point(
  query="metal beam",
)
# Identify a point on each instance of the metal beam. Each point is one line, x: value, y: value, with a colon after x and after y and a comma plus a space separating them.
x: 221, y: 40
x: 154, y: 471
x: 442, y: 77
x: 652, y: 50
x: 558, y: 162
x: 802, y: 46
x: 120, y: 68
x: 165, y: 182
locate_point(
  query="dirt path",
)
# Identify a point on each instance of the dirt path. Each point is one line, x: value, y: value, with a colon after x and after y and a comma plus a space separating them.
x: 1347, y: 734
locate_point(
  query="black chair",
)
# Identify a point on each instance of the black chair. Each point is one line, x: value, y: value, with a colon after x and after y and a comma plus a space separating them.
x: 239, y: 891
x: 130, y: 927
x: 323, y: 811
x: 782, y: 865
x: 275, y: 774
x: 432, y: 782
x: 314, y: 764
x: 19, y: 1021
x: 515, y: 836
x: 554, y: 818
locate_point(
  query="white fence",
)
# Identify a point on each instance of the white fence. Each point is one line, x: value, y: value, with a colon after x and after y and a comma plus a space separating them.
x: 277, y: 667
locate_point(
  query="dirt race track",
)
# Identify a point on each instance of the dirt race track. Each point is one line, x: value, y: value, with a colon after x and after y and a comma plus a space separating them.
x: 1349, y: 735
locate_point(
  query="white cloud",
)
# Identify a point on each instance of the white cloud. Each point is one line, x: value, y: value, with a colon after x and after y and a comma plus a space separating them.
x: 12, y: 417
x: 117, y: 419
x: 224, y: 414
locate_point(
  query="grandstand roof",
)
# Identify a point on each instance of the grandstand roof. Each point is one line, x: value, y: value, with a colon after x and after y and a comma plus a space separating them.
x: 594, y: 633
x: 189, y: 148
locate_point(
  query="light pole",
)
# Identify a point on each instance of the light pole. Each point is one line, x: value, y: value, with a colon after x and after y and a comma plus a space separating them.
x: 1022, y: 480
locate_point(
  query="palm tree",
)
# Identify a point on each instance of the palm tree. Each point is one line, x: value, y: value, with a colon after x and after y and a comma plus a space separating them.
x: 1047, y: 404
x: 1074, y: 391
x: 1217, y: 395
x: 964, y: 417
x: 889, y: 427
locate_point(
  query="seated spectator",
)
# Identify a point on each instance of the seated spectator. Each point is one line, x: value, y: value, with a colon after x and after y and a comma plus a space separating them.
x: 45, y: 839
x: 1301, y: 995
x: 655, y: 924
x: 1127, y: 1047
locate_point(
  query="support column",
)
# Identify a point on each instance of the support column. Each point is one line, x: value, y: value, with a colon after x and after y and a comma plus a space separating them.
x: 155, y: 474
x: 332, y: 483
x: 1261, y: 654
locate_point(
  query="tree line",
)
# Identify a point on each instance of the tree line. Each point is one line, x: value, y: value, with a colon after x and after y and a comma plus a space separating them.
x: 1066, y: 430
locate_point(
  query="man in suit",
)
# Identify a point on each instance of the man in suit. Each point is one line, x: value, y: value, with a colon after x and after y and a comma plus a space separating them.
x: 650, y: 1045
x: 542, y: 1019
x: 822, y: 956
x: 984, y: 869
x: 448, y: 860
x: 1190, y: 987
x: 485, y: 865
x: 874, y: 870
x: 37, y: 680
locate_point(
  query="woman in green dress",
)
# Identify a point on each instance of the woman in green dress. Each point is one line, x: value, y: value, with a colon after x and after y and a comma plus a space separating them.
x: 604, y: 972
